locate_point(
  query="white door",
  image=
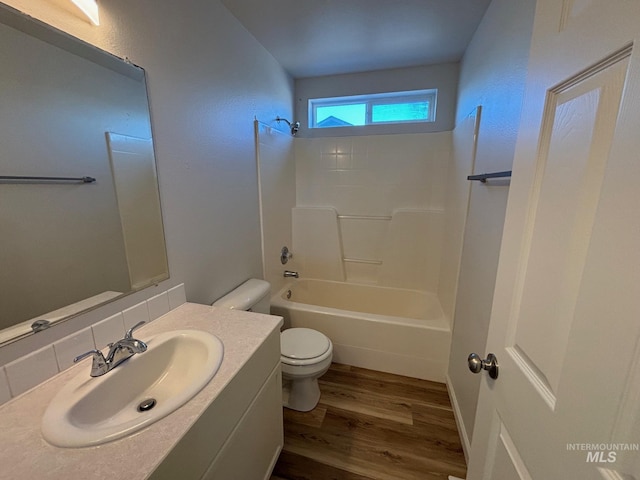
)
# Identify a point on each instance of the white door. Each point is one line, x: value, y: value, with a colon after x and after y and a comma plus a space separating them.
x: 565, y: 324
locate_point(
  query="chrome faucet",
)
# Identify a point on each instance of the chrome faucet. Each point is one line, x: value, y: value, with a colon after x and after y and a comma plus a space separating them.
x: 118, y: 352
x: 290, y: 274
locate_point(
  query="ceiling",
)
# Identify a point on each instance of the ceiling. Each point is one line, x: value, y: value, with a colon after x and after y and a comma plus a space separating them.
x: 312, y: 38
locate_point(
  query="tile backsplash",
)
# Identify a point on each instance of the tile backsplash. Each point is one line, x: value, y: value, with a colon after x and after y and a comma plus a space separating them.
x: 136, y: 314
x: 158, y: 305
x: 70, y: 347
x: 5, y: 393
x: 26, y: 372
x: 31, y: 370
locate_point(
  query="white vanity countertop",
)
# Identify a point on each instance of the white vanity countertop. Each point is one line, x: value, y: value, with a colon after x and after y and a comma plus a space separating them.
x: 25, y: 454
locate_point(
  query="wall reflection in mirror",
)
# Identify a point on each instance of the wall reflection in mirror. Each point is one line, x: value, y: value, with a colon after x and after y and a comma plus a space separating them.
x: 70, y: 110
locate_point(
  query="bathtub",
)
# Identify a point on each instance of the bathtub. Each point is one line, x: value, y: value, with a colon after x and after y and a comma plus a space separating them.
x: 386, y: 329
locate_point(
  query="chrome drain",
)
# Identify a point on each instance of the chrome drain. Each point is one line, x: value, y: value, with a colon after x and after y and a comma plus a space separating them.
x: 147, y: 405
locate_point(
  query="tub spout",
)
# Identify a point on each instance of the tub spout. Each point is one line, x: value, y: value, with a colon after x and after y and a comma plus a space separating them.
x: 290, y: 274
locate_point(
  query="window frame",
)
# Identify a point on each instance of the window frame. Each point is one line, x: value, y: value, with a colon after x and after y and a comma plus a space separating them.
x: 370, y: 100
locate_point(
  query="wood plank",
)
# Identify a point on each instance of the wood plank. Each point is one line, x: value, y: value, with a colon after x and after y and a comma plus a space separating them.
x: 392, y: 378
x: 340, y: 367
x: 314, y: 418
x: 377, y: 448
x: 428, y: 445
x: 298, y: 467
x: 362, y: 401
x: 374, y: 426
x: 428, y: 415
x: 409, y: 389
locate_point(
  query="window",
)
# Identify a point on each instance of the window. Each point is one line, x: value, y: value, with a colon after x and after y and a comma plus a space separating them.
x: 380, y: 108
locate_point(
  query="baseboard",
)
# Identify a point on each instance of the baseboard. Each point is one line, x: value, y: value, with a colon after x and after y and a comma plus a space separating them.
x: 466, y: 444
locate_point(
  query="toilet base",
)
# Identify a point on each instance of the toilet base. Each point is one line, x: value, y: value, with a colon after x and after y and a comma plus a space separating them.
x: 301, y: 395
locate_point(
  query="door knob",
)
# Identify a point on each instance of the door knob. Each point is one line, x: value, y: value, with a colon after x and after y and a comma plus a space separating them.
x: 476, y: 364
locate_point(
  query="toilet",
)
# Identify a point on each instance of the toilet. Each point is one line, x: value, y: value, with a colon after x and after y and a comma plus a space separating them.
x: 305, y: 354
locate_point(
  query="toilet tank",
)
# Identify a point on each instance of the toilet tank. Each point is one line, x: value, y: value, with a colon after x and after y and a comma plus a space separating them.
x: 253, y: 295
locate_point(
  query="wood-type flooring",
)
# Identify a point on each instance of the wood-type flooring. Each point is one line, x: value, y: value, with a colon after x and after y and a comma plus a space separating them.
x: 371, y: 425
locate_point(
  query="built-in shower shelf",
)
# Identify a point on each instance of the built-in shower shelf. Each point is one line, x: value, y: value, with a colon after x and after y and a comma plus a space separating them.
x: 362, y: 260
x: 364, y: 217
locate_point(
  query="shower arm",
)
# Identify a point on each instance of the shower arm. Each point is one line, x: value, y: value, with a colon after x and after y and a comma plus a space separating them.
x: 295, y: 126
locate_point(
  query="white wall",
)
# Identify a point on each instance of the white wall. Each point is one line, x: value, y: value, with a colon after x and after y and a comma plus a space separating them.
x: 207, y: 79
x: 444, y: 77
x: 492, y: 75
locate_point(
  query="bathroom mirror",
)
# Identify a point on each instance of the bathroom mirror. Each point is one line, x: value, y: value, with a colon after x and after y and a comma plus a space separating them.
x: 69, y: 110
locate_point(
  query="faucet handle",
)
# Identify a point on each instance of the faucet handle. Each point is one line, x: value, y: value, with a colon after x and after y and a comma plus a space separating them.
x: 129, y: 334
x: 99, y: 365
x: 87, y: 354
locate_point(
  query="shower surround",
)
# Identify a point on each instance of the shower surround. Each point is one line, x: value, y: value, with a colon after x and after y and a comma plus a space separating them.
x: 370, y: 209
x: 379, y: 214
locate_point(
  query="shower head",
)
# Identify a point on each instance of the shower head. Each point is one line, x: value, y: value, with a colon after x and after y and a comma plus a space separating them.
x: 295, y: 126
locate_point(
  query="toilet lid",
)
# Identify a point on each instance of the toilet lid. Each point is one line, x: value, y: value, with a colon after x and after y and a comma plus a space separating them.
x: 303, y: 343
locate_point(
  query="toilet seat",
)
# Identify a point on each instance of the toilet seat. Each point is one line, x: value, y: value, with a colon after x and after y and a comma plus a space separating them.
x: 304, y: 346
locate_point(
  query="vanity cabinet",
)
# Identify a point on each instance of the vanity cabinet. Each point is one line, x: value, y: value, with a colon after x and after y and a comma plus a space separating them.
x: 253, y: 447
x: 232, y: 429
x: 240, y: 435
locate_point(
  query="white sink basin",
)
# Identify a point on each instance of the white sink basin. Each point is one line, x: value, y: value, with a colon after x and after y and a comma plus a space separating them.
x: 91, y: 411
